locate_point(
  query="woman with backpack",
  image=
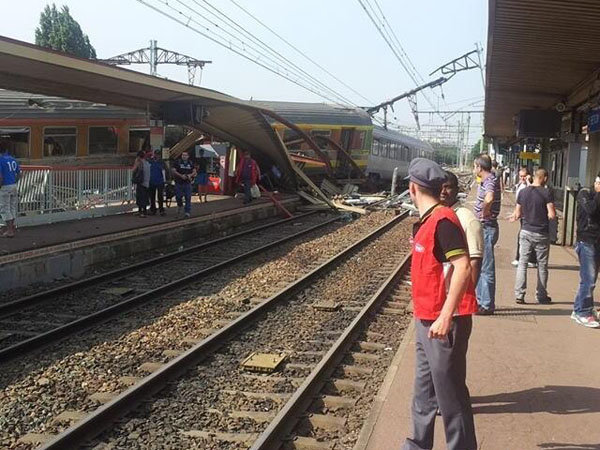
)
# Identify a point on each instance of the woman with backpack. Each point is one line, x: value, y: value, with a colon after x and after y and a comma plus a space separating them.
x: 141, y: 179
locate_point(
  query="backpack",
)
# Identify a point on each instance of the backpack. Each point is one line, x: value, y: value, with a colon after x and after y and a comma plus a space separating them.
x: 138, y: 175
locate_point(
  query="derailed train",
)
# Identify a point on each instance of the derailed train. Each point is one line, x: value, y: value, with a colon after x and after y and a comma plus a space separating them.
x: 374, y: 150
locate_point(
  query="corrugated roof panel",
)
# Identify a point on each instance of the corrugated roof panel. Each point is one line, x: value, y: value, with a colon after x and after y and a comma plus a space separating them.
x: 316, y: 113
x: 538, y: 52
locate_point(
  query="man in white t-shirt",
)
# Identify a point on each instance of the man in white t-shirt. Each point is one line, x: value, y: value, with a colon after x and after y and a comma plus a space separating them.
x: 523, y: 181
x: 469, y: 223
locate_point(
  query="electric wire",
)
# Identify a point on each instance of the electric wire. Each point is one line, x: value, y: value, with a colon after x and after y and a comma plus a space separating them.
x: 223, y: 18
x: 260, y: 22
x: 235, y: 48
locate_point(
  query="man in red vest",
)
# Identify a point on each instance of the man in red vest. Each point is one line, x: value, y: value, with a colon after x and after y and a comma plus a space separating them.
x: 443, y: 300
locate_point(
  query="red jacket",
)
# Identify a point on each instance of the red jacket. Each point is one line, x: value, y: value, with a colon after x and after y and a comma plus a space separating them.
x: 431, y: 278
x: 254, y: 170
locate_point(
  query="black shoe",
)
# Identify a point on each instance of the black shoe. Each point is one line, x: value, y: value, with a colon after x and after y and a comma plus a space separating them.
x: 162, y: 213
x: 484, y: 312
x: 545, y: 301
x: 520, y: 301
x: 152, y: 213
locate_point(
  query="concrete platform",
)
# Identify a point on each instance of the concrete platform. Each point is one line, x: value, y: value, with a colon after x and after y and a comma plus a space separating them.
x: 68, y: 249
x: 534, y: 375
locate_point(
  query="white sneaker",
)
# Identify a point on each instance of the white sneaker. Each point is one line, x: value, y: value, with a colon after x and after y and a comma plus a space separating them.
x: 532, y: 265
x: 515, y: 263
x: 590, y: 321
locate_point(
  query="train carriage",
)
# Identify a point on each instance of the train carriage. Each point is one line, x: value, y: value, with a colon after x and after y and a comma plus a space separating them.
x: 374, y: 150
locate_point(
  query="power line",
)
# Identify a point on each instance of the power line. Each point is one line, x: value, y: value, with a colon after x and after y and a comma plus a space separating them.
x: 303, y: 75
x: 300, y: 52
x: 222, y: 17
x: 241, y: 51
x: 380, y: 26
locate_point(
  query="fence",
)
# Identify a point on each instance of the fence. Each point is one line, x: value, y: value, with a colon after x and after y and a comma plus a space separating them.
x: 49, y: 194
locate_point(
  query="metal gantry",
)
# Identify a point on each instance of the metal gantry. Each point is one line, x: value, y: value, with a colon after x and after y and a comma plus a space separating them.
x: 154, y: 55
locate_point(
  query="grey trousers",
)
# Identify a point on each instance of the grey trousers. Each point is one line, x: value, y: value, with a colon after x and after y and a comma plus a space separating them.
x: 540, y: 244
x: 440, y: 375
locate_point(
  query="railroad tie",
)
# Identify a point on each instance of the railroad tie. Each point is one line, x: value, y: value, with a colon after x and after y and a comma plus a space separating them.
x: 129, y: 381
x: 343, y: 385
x: 241, y: 438
x: 103, y: 397
x: 327, y: 421
x: 372, y: 346
x: 306, y: 443
x: 35, y: 438
x: 150, y: 367
x: 69, y: 417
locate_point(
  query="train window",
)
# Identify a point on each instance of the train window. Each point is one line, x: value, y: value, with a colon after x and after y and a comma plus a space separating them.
x: 392, y: 154
x: 386, y: 152
x: 18, y: 141
x: 60, y: 141
x: 326, y: 133
x: 103, y: 140
x: 139, y: 139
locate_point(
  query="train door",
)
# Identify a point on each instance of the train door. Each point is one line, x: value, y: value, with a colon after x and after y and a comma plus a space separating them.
x: 343, y: 167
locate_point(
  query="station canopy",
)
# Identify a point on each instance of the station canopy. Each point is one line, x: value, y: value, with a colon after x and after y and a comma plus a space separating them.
x: 29, y: 68
x: 539, y: 53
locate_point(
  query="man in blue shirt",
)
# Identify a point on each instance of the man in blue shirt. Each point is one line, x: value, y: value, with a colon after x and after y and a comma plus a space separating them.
x: 9, y: 197
x: 183, y: 173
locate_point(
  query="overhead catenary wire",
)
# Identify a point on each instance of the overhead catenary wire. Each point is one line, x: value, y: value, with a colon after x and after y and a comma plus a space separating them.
x: 187, y: 20
x: 308, y: 58
x: 232, y: 24
x: 382, y: 29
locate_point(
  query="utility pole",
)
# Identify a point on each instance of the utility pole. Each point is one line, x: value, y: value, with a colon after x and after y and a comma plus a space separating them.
x: 154, y: 55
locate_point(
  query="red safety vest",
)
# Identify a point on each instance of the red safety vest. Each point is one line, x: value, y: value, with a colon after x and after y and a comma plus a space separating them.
x: 430, y: 279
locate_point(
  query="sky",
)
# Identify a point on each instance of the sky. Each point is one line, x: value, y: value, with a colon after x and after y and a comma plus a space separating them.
x: 337, y: 34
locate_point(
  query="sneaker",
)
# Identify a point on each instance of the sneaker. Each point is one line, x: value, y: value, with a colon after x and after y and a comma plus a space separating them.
x: 515, y: 263
x: 484, y: 312
x: 187, y: 215
x: 520, y: 301
x: 545, y: 301
x: 162, y: 213
x: 590, y: 321
x: 532, y: 265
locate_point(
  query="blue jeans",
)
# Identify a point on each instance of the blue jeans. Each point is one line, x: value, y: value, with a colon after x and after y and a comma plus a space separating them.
x: 589, y: 257
x: 486, y: 286
x: 247, y: 192
x: 181, y: 190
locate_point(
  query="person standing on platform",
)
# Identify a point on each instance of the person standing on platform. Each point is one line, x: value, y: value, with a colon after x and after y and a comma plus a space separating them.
x: 536, y: 206
x: 156, y: 191
x: 443, y: 303
x: 141, y: 178
x: 524, y: 181
x: 487, y: 208
x: 202, y: 177
x: 183, y: 172
x: 10, y: 171
x: 588, y: 251
x: 469, y: 223
x: 248, y: 174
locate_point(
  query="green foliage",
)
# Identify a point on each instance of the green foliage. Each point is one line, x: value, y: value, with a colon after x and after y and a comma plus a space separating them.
x: 59, y: 31
x: 475, y: 150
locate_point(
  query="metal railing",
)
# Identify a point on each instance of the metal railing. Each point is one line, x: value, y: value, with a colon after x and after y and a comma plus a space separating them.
x: 66, y: 192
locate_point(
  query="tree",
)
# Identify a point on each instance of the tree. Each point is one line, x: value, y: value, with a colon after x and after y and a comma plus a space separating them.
x: 59, y: 31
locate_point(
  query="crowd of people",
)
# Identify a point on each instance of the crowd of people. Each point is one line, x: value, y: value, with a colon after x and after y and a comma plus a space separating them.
x: 154, y: 181
x: 453, y: 277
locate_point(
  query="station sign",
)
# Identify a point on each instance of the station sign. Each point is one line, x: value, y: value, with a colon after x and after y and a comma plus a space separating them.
x: 529, y: 155
x: 593, y: 123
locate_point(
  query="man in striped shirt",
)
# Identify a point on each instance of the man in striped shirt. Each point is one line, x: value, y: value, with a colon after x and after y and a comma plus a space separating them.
x: 487, y: 208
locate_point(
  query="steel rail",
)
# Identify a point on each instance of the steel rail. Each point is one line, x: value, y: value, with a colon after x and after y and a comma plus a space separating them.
x: 104, y: 416
x: 282, y: 425
x: 16, y: 305
x: 60, y: 332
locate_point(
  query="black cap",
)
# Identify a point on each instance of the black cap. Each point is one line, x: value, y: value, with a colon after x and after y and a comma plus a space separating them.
x: 426, y: 173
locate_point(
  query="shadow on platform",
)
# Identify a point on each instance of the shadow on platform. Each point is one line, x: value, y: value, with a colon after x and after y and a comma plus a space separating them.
x: 562, y: 446
x: 561, y: 400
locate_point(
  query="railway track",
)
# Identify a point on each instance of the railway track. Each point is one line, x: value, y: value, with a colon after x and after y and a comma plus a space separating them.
x: 45, y: 317
x: 234, y: 407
